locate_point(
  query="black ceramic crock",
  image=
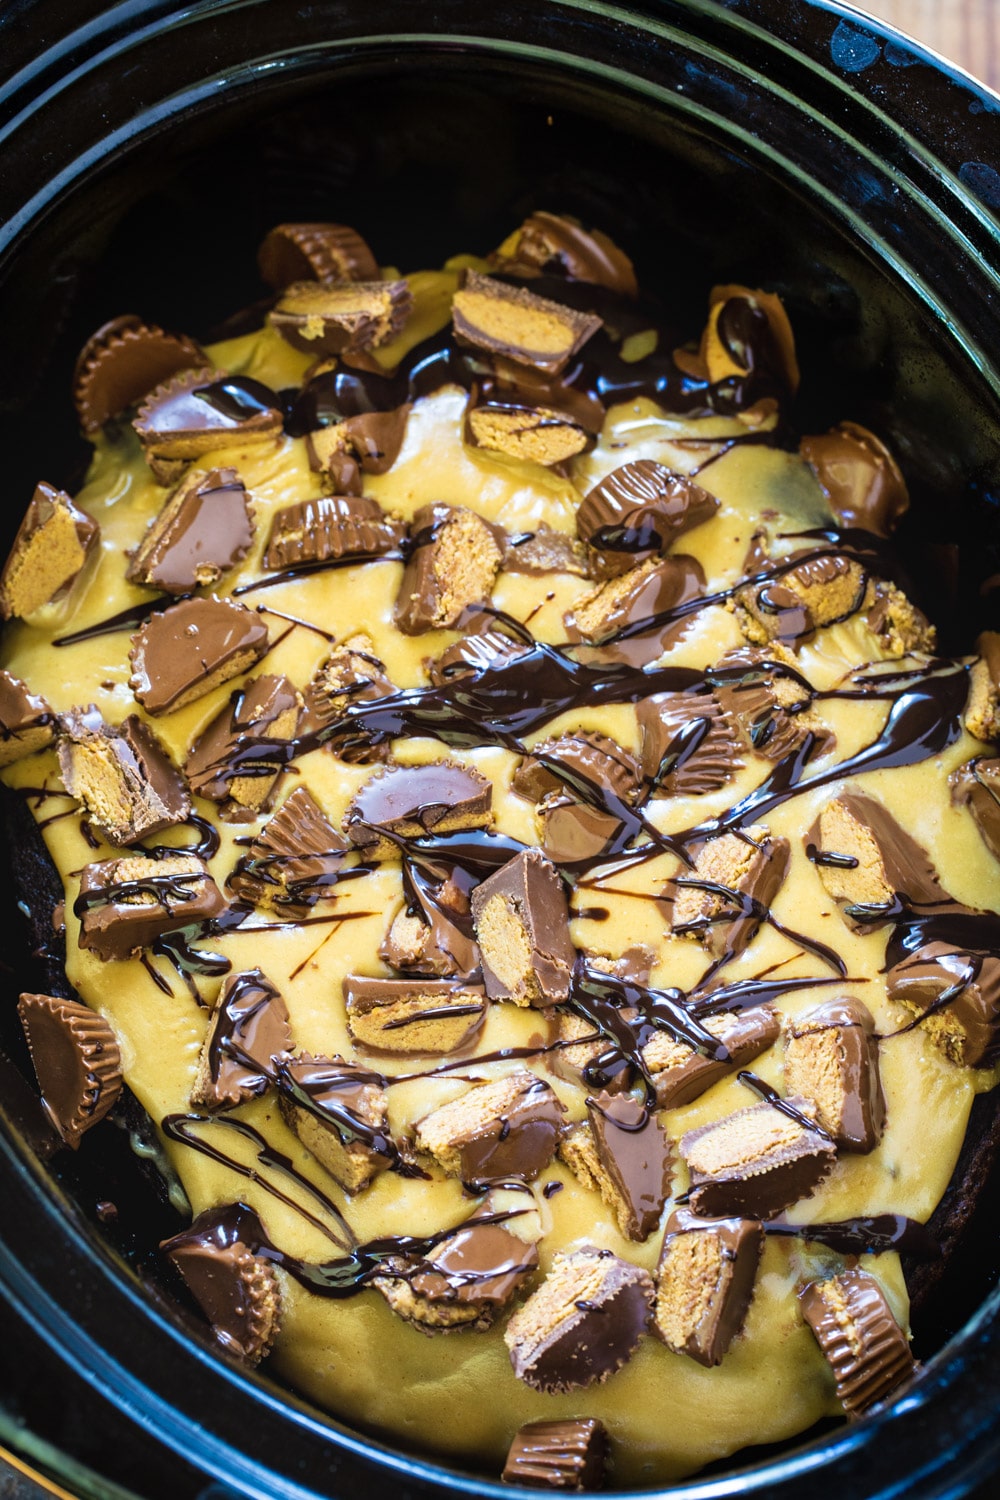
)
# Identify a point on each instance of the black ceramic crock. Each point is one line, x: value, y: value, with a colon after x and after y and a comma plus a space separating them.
x: 144, y: 149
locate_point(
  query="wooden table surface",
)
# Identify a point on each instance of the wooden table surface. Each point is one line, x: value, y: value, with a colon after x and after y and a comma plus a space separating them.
x: 964, y: 31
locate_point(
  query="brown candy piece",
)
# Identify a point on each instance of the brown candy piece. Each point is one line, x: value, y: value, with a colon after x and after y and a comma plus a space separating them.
x: 194, y: 413
x: 507, y: 1128
x: 625, y: 1155
x: 323, y: 252
x: 27, y: 723
x: 863, y: 1344
x: 585, y: 752
x: 453, y: 564
x: 331, y: 318
x: 122, y: 362
x: 976, y: 785
x: 248, y: 1027
x: 522, y: 927
x: 898, y: 626
x: 330, y: 529
x: 294, y: 861
x: 653, y: 592
x: 865, y: 859
x: 123, y: 777
x: 545, y: 551
x: 204, y: 529
x: 473, y: 653
x: 755, y: 1163
x: 410, y: 801
x: 183, y: 652
x: 831, y: 1059
x: 350, y: 674
x: 548, y: 244
x: 791, y: 606
x: 688, y: 746
x: 583, y: 1322
x: 955, y: 996
x: 723, y: 901
x: 339, y: 1111
x: 125, y: 904
x: 431, y: 931
x: 747, y: 331
x: 859, y: 477
x: 514, y: 323
x: 567, y: 1454
x: 704, y: 1283
x: 461, y: 1282
x: 539, y: 434
x: 236, y: 1288
x: 637, y: 512
x: 982, y: 711
x: 681, y: 1075
x: 767, y: 702
x: 48, y: 562
x: 76, y: 1060
x: 412, y: 1016
x: 369, y: 443
x: 230, y: 761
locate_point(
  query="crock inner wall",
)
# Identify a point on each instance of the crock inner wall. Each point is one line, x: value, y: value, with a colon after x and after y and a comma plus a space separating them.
x: 456, y: 152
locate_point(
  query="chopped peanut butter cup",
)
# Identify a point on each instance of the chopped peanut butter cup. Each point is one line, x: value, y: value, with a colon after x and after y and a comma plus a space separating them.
x: 512, y: 322
x: 637, y: 512
x: 747, y: 332
x: 583, y: 1322
x: 294, y: 861
x: 125, y: 904
x: 411, y: 1016
x: 27, y: 723
x: 123, y: 777
x: 688, y: 746
x: 982, y: 710
x: 463, y: 1281
x: 765, y: 699
x: 454, y: 562
x: 623, y: 1153
x: 976, y: 785
x: 204, y: 529
x: 324, y: 252
x: 547, y: 243
x: 236, y: 1288
x: 723, y: 901
x: 352, y: 673
x: 522, y: 928
x: 333, y: 317
x: 567, y: 1454
x: 756, y: 1162
x: 704, y: 1283
x: 831, y: 1059
x: 193, y: 414
x: 53, y: 553
x: 248, y: 1027
x: 410, y: 801
x: 819, y: 591
x: 232, y: 762
x: 594, y: 756
x: 339, y: 1111
x: 865, y: 859
x: 638, y: 615
x: 473, y: 653
x: 367, y: 443
x: 955, y: 998
x: 859, y: 477
x: 122, y: 362
x: 863, y: 1344
x: 183, y: 652
x: 680, y: 1074
x: 545, y: 551
x: 76, y: 1059
x: 508, y: 1128
x: 540, y: 434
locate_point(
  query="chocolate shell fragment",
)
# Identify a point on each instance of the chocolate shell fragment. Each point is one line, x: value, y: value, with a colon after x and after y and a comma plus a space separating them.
x: 558, y: 1455
x: 125, y: 904
x: 325, y: 252
x: 367, y: 443
x: 688, y: 746
x: 462, y: 1282
x: 637, y: 512
x: 556, y: 243
x: 123, y: 777
x: 236, y: 1289
x: 27, y: 723
x: 704, y: 1283
x: 730, y: 891
x: 865, y: 859
x: 508, y: 1128
x: 248, y: 1027
x: 614, y: 613
x: 413, y: 800
x: 954, y: 996
x: 756, y: 1163
x: 76, y: 1059
x: 350, y: 674
x: 453, y: 564
x: 196, y: 413
x: 294, y: 861
x: 863, y: 1344
x: 412, y: 1016
x: 976, y: 785
x: 122, y: 362
x: 859, y: 477
x: 339, y: 1111
x: 335, y: 317
x: 831, y: 1059
x: 680, y: 1074
x: 48, y: 562
x: 330, y: 528
x: 765, y: 699
x: 516, y: 324
x: 522, y: 927
x: 583, y: 1322
x: 187, y: 650
x: 623, y: 1153
x: 230, y: 762
x: 204, y: 529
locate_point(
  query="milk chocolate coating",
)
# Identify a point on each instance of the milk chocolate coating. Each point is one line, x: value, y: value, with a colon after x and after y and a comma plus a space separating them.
x: 514, y: 323
x: 192, y: 647
x: 480, y: 1263
x: 204, y: 529
x: 126, y: 904
x: 976, y: 785
x: 865, y: 1347
x: 236, y: 1289
x: 122, y: 362
x: 625, y: 603
x: 859, y: 477
x: 546, y: 551
x: 522, y: 927
x: 594, y: 755
x: 453, y: 564
x: 331, y: 527
x: 768, y: 709
x: 592, y: 1337
x: 638, y: 511
x: 473, y: 653
x: 325, y: 252
x: 556, y: 243
x: 128, y: 783
x: 224, y: 764
x: 888, y: 860
x: 831, y: 1058
x: 293, y: 862
x: 413, y: 800
x: 338, y: 1110
x: 323, y: 318
x: 746, y: 1035
x: 702, y: 1300
x: 558, y: 1455
x: 27, y: 723
x: 748, y: 878
x: 751, y: 1183
x: 412, y: 1015
x: 76, y: 1060
x: 688, y: 747
x: 251, y: 1015
x: 369, y: 442
x: 54, y: 542
x: 508, y: 1128
x: 194, y: 412
x: 635, y: 1152
x: 958, y: 993
x: 431, y: 932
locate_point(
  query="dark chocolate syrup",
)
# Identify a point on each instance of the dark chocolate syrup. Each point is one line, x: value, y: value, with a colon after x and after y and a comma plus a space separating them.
x: 865, y: 1236
x: 239, y: 397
